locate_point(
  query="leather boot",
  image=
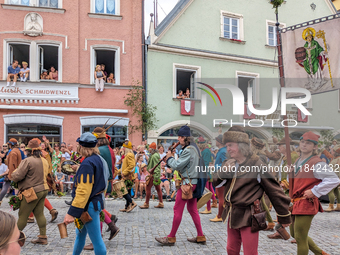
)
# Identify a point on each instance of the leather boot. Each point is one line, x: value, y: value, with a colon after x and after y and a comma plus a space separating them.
x: 30, y: 220
x: 131, y: 207
x: 145, y: 206
x: 276, y: 235
x: 330, y: 208
x: 160, y: 205
x: 198, y: 239
x: 214, y: 204
x: 216, y: 219
x: 167, y: 241
x: 41, y: 240
x: 123, y: 210
x: 114, y: 218
x: 54, y: 214
x: 114, y: 229
x: 270, y: 226
x: 88, y: 247
x: 337, y: 208
x: 206, y: 211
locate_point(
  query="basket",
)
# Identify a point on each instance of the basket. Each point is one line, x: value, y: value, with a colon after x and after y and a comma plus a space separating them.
x: 117, y: 187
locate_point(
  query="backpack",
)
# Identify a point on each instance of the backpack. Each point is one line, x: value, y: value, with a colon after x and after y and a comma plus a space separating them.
x: 201, y: 181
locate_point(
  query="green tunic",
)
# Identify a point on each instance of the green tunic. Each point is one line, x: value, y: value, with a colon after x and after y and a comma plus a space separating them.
x: 153, y: 160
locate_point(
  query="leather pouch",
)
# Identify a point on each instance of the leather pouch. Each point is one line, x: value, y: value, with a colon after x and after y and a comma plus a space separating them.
x: 186, y: 191
x: 85, y: 217
x: 258, y: 220
x: 29, y: 195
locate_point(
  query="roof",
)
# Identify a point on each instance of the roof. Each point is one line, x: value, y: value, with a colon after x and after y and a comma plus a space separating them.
x: 171, y: 16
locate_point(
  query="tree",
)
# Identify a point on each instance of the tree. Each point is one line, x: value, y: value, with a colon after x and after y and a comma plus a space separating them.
x: 326, y: 138
x: 278, y: 132
x: 146, y: 117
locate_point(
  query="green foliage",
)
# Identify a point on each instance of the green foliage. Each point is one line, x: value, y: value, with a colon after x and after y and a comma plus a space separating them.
x: 14, y: 202
x: 146, y: 113
x: 278, y: 132
x: 102, y: 216
x: 326, y: 138
x: 156, y: 182
x: 276, y: 4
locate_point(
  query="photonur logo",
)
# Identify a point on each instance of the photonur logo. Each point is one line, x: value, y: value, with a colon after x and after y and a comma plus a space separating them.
x: 238, y: 99
x: 204, y: 97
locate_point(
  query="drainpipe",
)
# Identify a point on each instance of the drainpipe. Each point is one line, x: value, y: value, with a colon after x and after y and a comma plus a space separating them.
x: 144, y: 58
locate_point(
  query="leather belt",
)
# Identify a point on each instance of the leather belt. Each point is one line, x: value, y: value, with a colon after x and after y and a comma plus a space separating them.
x: 297, y: 199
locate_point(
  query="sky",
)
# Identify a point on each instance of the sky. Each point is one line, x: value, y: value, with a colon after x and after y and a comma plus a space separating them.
x: 164, y: 7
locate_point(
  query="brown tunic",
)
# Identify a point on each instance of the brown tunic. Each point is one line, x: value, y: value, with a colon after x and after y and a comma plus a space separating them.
x: 32, y: 172
x: 247, y: 189
x: 13, y: 160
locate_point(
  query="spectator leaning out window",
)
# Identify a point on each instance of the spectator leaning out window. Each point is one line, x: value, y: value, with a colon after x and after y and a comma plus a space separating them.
x: 13, y: 72
x: 99, y: 76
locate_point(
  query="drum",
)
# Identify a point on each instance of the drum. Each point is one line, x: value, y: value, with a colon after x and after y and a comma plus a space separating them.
x: 120, y: 188
x: 300, y: 54
x: 66, y: 167
x: 204, y: 199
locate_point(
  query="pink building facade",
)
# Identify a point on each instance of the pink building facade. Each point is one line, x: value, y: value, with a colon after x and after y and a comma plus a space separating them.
x: 72, y: 36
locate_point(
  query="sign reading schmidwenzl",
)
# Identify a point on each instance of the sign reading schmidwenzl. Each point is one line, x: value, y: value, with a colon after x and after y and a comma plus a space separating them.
x: 311, y: 55
x: 39, y: 92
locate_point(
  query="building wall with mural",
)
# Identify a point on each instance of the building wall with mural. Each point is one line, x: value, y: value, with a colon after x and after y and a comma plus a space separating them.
x: 233, y: 43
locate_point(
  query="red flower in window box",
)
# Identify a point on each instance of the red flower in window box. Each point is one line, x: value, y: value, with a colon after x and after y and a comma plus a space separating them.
x: 236, y: 40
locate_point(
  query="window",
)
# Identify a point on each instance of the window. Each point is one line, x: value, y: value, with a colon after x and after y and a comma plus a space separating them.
x: 106, y: 58
x: 109, y: 57
x: 20, y: 52
x: 272, y: 40
x: 232, y: 26
x: 271, y: 32
x: 20, y: 2
x: 105, y: 7
x: 48, y: 57
x: 38, y: 55
x: 25, y: 132
x: 246, y: 80
x: 39, y: 3
x: 48, y: 3
x: 184, y: 78
x: 118, y: 134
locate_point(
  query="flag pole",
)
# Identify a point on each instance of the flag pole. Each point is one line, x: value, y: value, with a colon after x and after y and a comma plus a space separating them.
x: 276, y: 5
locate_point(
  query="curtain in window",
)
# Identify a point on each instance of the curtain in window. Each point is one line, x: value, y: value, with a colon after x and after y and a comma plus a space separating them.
x: 99, y: 6
x: 25, y: 2
x: 14, y: 1
x: 54, y: 3
x: 110, y: 6
x: 43, y: 3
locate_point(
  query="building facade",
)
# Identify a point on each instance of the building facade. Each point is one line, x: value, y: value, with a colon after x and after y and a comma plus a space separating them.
x: 231, y: 42
x: 73, y: 37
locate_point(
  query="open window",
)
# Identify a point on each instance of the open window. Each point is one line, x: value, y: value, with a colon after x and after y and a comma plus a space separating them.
x: 108, y: 58
x: 185, y: 79
x: 249, y: 80
x: 20, y: 52
x: 37, y: 3
x: 48, y: 57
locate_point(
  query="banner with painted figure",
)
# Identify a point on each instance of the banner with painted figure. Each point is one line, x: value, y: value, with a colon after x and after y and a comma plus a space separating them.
x: 311, y: 55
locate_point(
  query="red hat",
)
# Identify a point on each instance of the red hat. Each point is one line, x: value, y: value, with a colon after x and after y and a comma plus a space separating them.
x: 153, y: 146
x: 310, y: 136
x: 201, y: 140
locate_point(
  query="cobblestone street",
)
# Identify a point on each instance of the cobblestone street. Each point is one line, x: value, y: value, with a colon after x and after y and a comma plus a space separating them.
x: 139, y: 228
